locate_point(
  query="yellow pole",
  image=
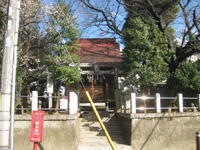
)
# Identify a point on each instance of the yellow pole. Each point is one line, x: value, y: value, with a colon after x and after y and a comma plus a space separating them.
x: 100, y: 121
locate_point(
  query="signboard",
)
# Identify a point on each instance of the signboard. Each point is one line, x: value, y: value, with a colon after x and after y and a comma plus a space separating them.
x: 64, y: 103
x: 49, y: 84
x: 37, y: 126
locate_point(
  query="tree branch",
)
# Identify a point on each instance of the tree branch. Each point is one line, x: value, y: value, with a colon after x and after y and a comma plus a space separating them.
x: 166, y: 7
x: 109, y: 22
x: 190, y: 48
x: 195, y: 22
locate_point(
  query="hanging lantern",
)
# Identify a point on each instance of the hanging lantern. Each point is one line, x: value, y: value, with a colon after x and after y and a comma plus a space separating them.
x: 104, y: 77
x: 96, y: 68
x: 100, y: 79
x: 95, y: 81
x: 90, y: 79
x: 97, y: 77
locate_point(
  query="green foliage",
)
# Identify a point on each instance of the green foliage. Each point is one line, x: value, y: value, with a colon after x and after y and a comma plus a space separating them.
x: 186, y: 79
x: 62, y: 28
x: 171, y: 14
x: 19, y: 82
x: 2, y: 22
x: 144, y: 52
x: 41, y: 49
x: 60, y: 68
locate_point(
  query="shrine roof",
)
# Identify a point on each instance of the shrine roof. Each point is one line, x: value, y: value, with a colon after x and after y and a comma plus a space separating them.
x: 99, y: 50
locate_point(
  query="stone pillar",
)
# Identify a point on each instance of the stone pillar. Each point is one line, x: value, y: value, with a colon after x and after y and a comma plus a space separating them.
x: 34, y: 101
x: 133, y: 103
x: 127, y: 103
x: 198, y: 102
x: 157, y: 103
x: 122, y: 103
x: 117, y: 99
x: 180, y: 102
x: 73, y: 103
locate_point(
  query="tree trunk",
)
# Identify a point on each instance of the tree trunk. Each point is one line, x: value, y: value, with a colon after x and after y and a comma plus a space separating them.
x: 57, y: 94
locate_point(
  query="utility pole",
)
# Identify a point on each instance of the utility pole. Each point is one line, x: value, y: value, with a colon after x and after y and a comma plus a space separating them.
x: 7, y: 71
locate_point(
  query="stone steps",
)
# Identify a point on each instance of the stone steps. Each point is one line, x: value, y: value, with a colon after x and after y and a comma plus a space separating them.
x: 92, y: 137
x: 98, y: 147
x: 101, y: 133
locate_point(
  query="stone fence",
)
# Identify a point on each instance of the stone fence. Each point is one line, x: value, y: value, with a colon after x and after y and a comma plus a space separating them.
x: 59, y: 132
x: 161, y: 131
x: 66, y: 104
x: 129, y: 103
x: 149, y: 125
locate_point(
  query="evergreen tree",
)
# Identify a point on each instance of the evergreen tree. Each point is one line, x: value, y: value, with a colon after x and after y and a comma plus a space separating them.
x: 182, y: 42
x: 186, y: 79
x: 144, y: 52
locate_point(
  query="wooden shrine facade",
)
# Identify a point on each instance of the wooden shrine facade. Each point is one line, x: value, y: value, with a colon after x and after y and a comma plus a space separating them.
x: 100, y: 62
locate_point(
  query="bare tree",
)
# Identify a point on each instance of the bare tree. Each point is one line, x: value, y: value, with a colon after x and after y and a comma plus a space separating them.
x: 104, y: 16
x: 101, y: 16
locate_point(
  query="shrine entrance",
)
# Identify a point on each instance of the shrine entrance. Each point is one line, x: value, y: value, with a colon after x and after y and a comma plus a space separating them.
x: 100, y: 64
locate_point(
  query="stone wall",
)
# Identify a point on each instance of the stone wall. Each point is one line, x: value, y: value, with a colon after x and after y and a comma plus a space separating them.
x: 161, y: 131
x: 59, y: 132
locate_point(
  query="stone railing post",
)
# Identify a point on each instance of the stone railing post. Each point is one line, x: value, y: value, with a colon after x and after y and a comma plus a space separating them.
x: 180, y: 102
x: 127, y: 103
x: 40, y: 105
x: 197, y: 140
x: 133, y: 103
x: 198, y: 102
x: 157, y: 103
x: 34, y: 101
x: 122, y: 103
x: 73, y: 103
x: 117, y: 99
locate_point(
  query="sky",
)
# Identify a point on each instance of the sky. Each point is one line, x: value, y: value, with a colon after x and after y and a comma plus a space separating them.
x: 92, y: 32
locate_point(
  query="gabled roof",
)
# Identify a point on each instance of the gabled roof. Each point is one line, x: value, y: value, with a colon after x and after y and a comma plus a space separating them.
x: 99, y: 50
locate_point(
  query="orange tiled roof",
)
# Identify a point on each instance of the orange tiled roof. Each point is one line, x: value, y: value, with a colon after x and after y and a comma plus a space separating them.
x: 99, y: 50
